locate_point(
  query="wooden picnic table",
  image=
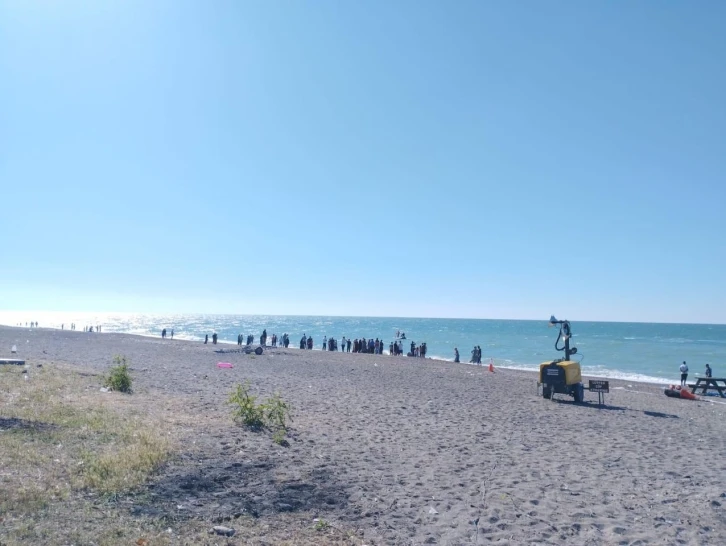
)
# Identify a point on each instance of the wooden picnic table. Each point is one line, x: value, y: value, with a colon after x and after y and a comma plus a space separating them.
x: 706, y: 383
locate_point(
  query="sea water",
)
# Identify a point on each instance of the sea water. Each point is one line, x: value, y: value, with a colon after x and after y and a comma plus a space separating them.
x: 649, y: 352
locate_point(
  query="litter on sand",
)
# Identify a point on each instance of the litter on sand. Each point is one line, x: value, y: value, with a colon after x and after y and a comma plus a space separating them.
x: 224, y: 365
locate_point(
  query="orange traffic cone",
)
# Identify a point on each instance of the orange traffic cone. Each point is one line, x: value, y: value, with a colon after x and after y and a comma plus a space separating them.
x: 491, y: 366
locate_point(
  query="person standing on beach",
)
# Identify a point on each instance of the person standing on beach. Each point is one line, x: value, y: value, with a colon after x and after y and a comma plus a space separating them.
x: 214, y: 338
x: 684, y: 373
x: 456, y: 354
x: 325, y: 343
x: 172, y: 332
x: 709, y: 373
x: 206, y: 338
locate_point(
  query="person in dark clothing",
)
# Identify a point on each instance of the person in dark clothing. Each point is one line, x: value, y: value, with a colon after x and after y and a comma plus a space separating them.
x: 456, y: 354
x: 214, y: 338
x: 163, y: 333
x: 709, y: 373
x: 206, y: 338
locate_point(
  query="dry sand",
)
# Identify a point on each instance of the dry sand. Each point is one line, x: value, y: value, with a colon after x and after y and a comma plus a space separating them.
x: 412, y: 451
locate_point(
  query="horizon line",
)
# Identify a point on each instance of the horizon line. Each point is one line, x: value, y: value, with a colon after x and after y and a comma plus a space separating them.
x: 355, y: 316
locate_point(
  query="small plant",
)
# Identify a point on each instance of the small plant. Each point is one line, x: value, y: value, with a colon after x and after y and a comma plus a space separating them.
x: 119, y: 378
x: 279, y: 437
x: 277, y: 412
x: 321, y: 525
x: 272, y: 414
x: 245, y: 408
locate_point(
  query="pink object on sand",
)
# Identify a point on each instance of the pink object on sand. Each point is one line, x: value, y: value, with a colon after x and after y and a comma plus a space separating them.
x: 224, y: 365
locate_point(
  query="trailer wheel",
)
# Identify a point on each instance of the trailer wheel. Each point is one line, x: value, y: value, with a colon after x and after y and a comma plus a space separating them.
x: 546, y: 392
x: 578, y: 393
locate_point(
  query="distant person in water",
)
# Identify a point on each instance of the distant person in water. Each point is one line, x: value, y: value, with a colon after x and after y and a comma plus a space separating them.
x: 206, y: 338
x: 456, y: 354
x: 709, y: 373
x: 684, y: 373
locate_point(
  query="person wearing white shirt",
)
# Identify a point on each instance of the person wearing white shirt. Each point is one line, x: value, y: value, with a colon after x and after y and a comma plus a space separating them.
x: 684, y: 373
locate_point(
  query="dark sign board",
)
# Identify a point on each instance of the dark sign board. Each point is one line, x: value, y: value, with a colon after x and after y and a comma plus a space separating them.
x: 598, y: 385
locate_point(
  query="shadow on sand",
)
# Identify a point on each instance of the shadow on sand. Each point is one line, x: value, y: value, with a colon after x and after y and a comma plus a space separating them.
x: 12, y: 423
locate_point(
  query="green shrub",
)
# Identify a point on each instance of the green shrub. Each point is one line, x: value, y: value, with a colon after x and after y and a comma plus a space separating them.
x: 279, y: 437
x: 277, y: 412
x: 271, y: 414
x: 119, y: 378
x: 245, y: 407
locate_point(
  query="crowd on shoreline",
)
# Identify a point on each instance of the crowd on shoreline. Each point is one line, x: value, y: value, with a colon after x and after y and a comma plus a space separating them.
x: 72, y: 327
x: 349, y: 345
x: 362, y: 345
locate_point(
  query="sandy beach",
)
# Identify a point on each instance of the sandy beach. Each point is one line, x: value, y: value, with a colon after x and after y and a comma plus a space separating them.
x: 412, y: 451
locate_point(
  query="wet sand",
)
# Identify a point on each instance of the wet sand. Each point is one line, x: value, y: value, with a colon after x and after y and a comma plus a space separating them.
x: 413, y: 451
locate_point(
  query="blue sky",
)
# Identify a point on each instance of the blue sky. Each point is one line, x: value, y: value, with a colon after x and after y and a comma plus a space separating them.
x: 449, y: 159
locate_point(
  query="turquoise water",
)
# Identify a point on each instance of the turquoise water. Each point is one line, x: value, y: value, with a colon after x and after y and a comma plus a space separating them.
x: 635, y: 351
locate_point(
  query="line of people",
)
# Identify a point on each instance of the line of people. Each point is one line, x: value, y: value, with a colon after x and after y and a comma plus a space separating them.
x: 368, y: 346
x: 284, y: 341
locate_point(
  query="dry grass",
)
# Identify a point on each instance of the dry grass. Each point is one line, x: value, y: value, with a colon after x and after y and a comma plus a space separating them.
x: 69, y: 453
x: 60, y: 434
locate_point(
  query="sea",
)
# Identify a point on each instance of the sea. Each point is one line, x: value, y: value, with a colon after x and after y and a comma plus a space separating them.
x: 646, y: 352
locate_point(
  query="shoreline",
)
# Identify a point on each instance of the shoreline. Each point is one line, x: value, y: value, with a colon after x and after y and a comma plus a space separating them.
x: 629, y: 377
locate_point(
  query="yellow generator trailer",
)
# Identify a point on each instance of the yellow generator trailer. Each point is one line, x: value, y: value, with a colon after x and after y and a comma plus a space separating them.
x: 562, y: 376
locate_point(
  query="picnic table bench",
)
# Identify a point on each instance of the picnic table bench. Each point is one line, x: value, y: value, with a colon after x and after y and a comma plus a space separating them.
x: 707, y: 383
x: 16, y: 361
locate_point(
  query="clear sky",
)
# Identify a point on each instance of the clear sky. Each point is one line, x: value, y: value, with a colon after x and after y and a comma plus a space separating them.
x: 407, y: 158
